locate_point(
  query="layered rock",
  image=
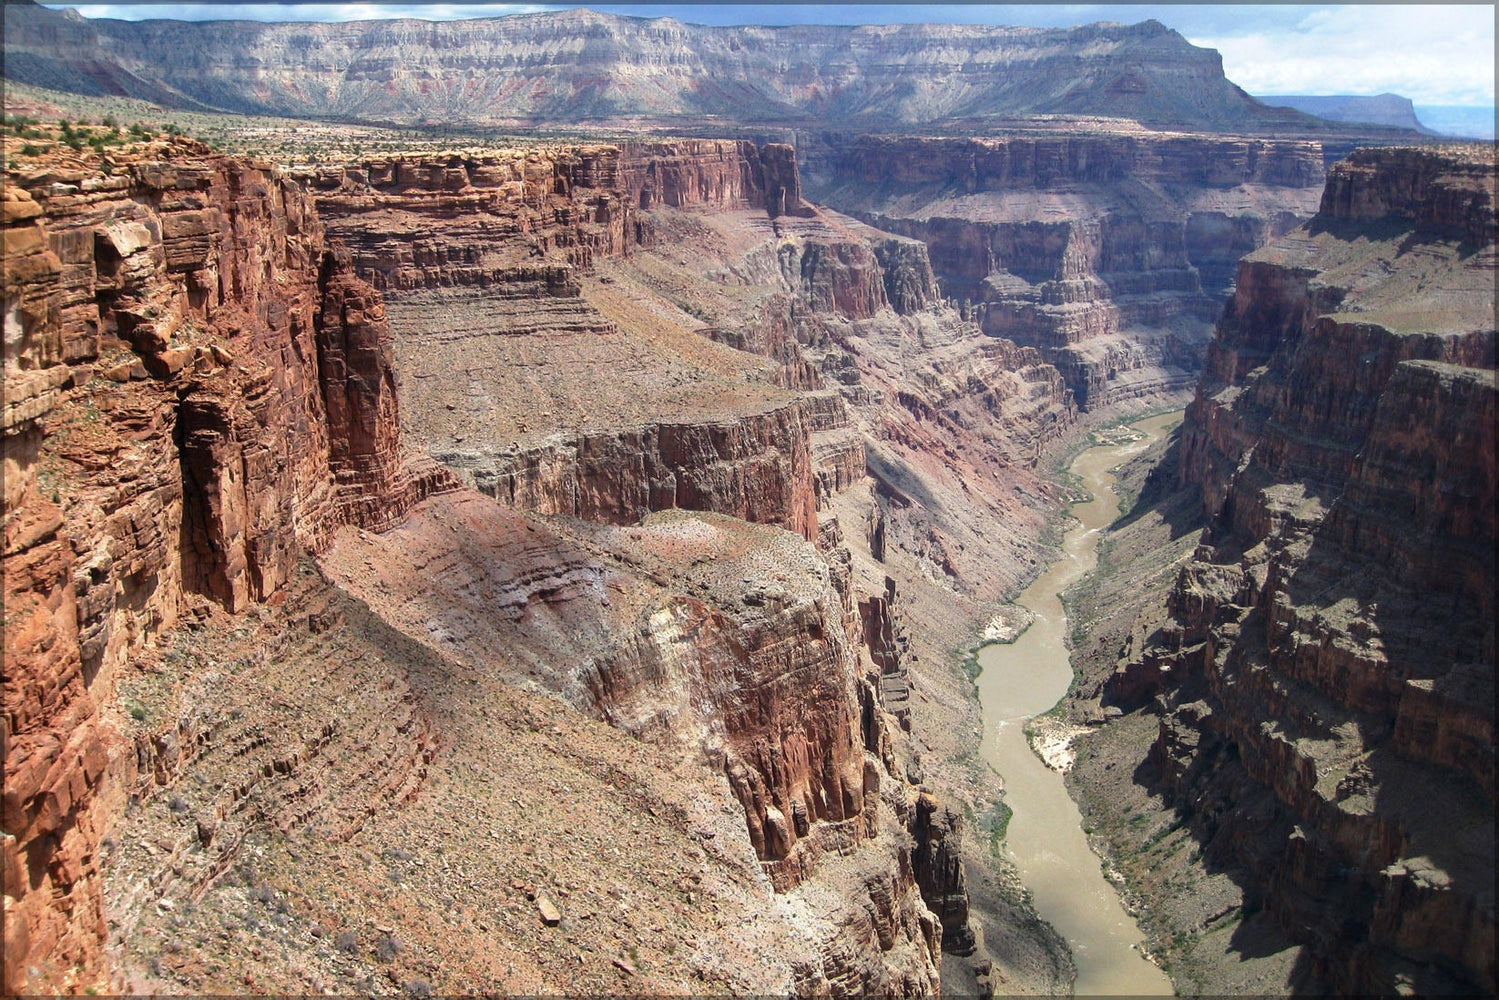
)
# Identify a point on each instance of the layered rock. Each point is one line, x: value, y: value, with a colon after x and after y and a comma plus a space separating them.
x: 272, y: 376
x: 1107, y: 251
x: 593, y: 406
x: 520, y: 219
x: 524, y: 220
x: 182, y: 346
x: 579, y: 66
x: 1326, y: 676
x: 724, y: 638
x: 757, y: 467
x: 506, y: 236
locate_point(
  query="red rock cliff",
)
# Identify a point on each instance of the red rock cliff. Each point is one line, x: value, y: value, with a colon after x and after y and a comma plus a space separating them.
x: 197, y: 389
x: 1329, y: 668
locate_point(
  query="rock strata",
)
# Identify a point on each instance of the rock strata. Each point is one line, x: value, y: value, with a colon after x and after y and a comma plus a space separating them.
x: 186, y: 347
x: 211, y: 383
x: 1108, y: 251
x: 580, y: 66
x: 1325, y: 676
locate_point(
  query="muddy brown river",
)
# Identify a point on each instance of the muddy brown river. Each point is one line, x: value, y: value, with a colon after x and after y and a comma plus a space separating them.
x: 1045, y: 840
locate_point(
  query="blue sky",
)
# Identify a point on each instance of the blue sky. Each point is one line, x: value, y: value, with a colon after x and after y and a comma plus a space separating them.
x: 1435, y: 54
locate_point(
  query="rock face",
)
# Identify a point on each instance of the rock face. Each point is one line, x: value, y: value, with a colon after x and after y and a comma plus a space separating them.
x: 182, y: 350
x: 731, y: 362
x: 1326, y: 677
x: 1108, y: 252
x: 580, y: 66
x: 525, y: 220
x: 757, y: 467
x: 939, y: 872
x: 743, y: 655
x: 504, y: 237
x: 200, y: 390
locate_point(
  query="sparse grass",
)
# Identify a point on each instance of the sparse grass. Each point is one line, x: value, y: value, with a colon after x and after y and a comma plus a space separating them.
x: 997, y: 823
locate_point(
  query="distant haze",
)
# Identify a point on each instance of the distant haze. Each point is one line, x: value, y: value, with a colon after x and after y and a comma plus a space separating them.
x: 1470, y: 123
x: 1438, y: 55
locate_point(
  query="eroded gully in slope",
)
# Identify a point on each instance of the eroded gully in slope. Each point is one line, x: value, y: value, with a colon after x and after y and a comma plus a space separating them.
x: 1045, y: 840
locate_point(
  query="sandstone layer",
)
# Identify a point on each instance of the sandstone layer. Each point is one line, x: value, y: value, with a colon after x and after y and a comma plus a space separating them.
x: 1324, y: 678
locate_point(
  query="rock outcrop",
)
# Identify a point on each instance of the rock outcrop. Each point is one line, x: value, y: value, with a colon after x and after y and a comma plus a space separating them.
x: 939, y: 871
x: 721, y: 637
x: 1108, y: 251
x: 757, y: 467
x: 1325, y: 679
x: 525, y: 220
x: 197, y: 389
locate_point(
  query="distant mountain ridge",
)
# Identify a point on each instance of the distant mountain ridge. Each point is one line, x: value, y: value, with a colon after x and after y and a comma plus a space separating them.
x: 1381, y: 109
x: 582, y: 67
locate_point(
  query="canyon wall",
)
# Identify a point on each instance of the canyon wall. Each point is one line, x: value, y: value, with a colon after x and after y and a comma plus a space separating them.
x: 735, y: 361
x: 500, y: 240
x: 757, y: 467
x: 197, y: 389
x: 200, y: 390
x: 1325, y: 677
x: 581, y: 67
x: 1108, y: 251
x: 520, y: 218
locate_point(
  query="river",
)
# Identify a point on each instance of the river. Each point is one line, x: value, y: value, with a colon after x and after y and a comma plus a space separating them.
x: 1045, y: 839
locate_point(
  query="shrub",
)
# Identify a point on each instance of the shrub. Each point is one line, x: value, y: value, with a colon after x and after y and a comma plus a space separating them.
x: 387, y: 947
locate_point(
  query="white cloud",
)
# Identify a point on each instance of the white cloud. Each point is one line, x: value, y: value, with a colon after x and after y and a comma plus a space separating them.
x: 1433, y: 54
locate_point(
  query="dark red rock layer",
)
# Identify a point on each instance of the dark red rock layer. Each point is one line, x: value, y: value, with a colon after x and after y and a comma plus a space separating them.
x: 1326, y: 678
x: 520, y: 220
x: 186, y: 349
x: 524, y: 220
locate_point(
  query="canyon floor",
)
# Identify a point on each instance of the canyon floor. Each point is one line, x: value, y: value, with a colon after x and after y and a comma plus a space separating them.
x: 1193, y: 914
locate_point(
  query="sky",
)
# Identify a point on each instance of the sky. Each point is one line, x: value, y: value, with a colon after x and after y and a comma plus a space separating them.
x: 1435, y: 54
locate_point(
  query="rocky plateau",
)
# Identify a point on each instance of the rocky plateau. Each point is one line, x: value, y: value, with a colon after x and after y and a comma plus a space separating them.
x: 582, y: 67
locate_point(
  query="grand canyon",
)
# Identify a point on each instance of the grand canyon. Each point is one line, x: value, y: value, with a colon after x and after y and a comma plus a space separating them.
x: 514, y: 506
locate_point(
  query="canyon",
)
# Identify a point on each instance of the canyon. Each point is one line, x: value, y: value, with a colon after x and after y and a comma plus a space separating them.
x: 547, y: 564
x: 1311, y: 702
x: 1108, y: 250
x: 203, y: 391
